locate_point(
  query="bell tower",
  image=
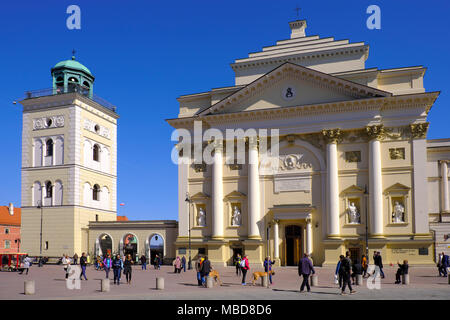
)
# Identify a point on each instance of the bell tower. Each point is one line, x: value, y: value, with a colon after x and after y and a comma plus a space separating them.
x: 69, y: 162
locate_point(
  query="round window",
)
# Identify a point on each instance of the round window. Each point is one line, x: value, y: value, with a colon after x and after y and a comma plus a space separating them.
x: 49, y: 122
x: 97, y: 128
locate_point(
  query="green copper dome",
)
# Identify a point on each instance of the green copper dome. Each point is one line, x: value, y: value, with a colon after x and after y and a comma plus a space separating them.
x: 72, y: 64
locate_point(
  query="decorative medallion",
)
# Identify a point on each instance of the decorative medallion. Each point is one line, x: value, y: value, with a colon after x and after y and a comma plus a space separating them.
x: 353, y: 156
x: 292, y: 162
x: 48, y: 122
x: 397, y: 153
x: 288, y: 93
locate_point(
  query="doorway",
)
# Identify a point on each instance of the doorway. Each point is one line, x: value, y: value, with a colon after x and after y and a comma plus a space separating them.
x: 293, y: 244
x: 130, y: 246
x: 156, y: 243
x: 355, y: 255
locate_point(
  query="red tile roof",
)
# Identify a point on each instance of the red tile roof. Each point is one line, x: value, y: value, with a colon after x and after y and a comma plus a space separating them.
x: 122, y: 218
x: 7, y: 219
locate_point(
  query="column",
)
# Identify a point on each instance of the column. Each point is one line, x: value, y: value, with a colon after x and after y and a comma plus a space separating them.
x: 53, y: 152
x: 276, y: 244
x: 444, y: 177
x: 217, y: 191
x: 309, y: 241
x: 253, y: 189
x: 376, y: 133
x: 44, y: 146
x: 332, y: 137
x: 53, y: 194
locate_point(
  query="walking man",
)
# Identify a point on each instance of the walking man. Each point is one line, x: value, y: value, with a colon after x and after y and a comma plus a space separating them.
x: 378, y: 261
x: 183, y: 263
x: 206, y: 269
x: 117, y: 269
x: 445, y: 263
x: 26, y: 264
x: 305, y: 268
x: 83, y: 264
x: 237, y: 263
x: 143, y: 262
x: 345, y: 271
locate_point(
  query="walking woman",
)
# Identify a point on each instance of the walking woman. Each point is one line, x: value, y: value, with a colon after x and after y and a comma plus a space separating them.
x: 66, y: 262
x: 364, y: 264
x: 268, y: 268
x: 244, y: 267
x: 127, y: 268
x: 107, y: 264
x: 237, y: 263
x: 177, y: 265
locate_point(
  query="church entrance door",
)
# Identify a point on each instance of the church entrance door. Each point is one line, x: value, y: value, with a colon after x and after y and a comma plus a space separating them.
x: 293, y: 244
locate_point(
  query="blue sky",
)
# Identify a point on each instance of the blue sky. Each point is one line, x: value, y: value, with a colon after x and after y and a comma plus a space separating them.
x: 144, y: 54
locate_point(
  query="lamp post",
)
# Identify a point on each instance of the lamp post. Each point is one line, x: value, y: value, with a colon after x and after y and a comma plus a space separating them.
x: 188, y: 200
x: 366, y: 195
x: 40, y: 206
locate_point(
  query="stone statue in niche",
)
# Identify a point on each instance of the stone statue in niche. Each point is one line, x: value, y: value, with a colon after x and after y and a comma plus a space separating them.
x: 236, y: 218
x: 201, y: 218
x: 397, y: 215
x: 354, y: 216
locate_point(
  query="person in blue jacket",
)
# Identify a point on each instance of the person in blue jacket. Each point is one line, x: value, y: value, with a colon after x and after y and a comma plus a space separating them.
x: 117, y: 266
x: 268, y: 267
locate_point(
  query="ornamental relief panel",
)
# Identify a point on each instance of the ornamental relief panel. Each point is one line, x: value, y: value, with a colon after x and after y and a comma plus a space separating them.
x: 293, y: 162
x: 96, y: 128
x: 48, y: 122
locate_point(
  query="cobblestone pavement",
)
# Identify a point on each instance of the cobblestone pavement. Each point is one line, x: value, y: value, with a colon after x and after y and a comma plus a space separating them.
x: 50, y: 284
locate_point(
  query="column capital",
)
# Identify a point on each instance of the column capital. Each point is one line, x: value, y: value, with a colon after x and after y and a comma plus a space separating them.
x: 419, y: 130
x: 252, y: 141
x: 444, y: 161
x: 376, y: 132
x: 332, y: 135
x: 276, y: 221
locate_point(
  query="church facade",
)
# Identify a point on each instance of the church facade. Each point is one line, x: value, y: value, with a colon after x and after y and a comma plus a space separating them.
x: 353, y: 169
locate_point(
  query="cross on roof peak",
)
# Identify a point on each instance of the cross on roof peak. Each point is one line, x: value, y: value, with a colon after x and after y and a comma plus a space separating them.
x: 298, y: 11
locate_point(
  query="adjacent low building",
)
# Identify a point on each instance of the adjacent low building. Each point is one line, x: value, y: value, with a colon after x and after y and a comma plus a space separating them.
x: 9, y: 229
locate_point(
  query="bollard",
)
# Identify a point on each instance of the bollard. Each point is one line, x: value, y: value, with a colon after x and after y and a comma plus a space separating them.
x: 264, y: 281
x: 405, y: 279
x: 159, y: 283
x: 104, y: 285
x: 314, y: 280
x: 359, y: 279
x: 209, y: 282
x: 29, y: 287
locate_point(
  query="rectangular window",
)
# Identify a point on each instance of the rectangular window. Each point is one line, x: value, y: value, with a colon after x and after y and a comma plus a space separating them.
x: 46, y: 245
x: 6, y: 230
x: 7, y: 244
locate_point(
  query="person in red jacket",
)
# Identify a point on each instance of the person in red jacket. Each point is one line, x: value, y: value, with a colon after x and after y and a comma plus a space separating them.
x: 244, y: 267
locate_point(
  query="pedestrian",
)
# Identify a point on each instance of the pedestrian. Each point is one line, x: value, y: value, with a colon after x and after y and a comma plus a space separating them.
x: 177, y: 265
x: 445, y: 263
x: 378, y: 261
x: 25, y: 264
x: 75, y: 258
x: 245, y: 266
x: 268, y: 267
x: 198, y: 268
x: 402, y: 269
x: 83, y: 264
x: 364, y: 264
x: 143, y: 262
x: 66, y: 263
x: 107, y: 263
x: 117, y: 266
x: 183, y: 263
x: 127, y: 269
x: 41, y: 262
x: 205, y: 270
x: 356, y: 270
x: 345, y: 269
x: 305, y: 268
x: 237, y: 263
x: 338, y: 275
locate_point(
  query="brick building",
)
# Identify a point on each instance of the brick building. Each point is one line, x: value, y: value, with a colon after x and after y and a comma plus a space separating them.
x: 9, y: 229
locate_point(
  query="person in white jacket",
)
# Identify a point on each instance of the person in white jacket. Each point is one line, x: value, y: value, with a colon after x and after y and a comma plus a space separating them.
x: 26, y: 264
x: 66, y: 261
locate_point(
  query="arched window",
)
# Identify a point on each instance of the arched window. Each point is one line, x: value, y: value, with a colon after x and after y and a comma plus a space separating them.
x: 49, y: 147
x: 96, y: 192
x: 96, y: 153
x: 48, y: 189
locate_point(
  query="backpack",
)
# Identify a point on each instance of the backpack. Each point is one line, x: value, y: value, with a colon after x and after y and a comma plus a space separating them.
x: 242, y: 263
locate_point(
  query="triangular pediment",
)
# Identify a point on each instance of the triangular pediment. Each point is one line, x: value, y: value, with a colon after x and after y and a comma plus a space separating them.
x: 235, y: 195
x: 398, y: 187
x: 199, y: 196
x: 354, y: 189
x: 292, y: 85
